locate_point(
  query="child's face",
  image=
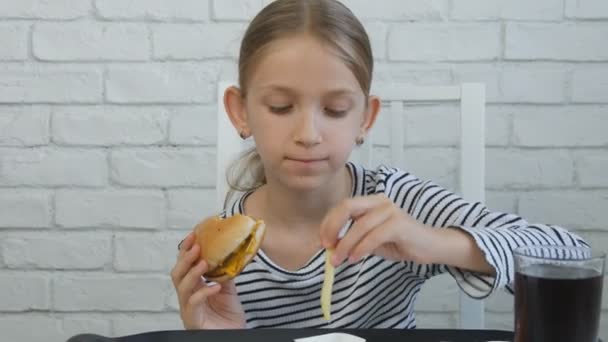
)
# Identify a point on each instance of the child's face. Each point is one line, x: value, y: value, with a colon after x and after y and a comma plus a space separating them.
x: 305, y: 110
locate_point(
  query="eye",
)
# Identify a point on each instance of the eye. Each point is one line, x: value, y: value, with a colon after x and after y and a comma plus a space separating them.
x: 335, y: 112
x: 280, y: 109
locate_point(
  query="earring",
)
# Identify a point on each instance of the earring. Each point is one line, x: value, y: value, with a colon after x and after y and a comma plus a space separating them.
x: 243, y: 135
x: 360, y: 140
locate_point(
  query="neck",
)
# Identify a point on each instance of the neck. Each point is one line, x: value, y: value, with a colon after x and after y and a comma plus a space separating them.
x: 290, y: 209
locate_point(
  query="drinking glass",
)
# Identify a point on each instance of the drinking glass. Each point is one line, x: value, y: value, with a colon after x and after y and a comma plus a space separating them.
x: 558, y: 293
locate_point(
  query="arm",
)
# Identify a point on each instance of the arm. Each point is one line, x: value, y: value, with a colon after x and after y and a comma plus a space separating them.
x: 476, y: 246
x: 456, y: 248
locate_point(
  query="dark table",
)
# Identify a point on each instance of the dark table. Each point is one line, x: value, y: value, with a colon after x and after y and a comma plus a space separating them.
x: 285, y: 335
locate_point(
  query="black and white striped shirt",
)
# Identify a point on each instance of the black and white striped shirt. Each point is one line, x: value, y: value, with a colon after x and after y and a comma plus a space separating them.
x: 377, y: 293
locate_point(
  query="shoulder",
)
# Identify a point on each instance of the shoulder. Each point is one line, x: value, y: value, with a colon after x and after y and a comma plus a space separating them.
x: 234, y: 204
x: 383, y: 179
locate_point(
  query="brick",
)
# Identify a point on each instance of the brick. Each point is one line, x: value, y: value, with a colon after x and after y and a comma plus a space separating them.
x: 590, y: 85
x: 84, y: 325
x: 18, y: 327
x: 14, y: 38
x: 23, y: 292
x: 501, y: 201
x: 49, y: 84
x: 584, y: 210
x: 24, y: 126
x: 400, y: 10
x: 436, y: 320
x: 603, y: 333
x: 164, y: 10
x: 598, y: 240
x: 439, y: 125
x: 521, y: 169
x: 137, y: 323
x: 163, y: 168
x: 111, y: 209
x: 444, y: 42
x: 58, y: 251
x: 570, y: 126
x: 146, y: 252
x: 44, y: 9
x: 53, y: 167
x: 218, y: 40
x: 110, y: 292
x: 109, y: 125
x: 439, y: 294
x: 90, y: 42
x: 421, y: 126
x: 577, y: 41
x: 193, y: 126
x: 587, y: 9
x: 500, y: 302
x: 228, y: 72
x: 507, y: 9
x: 173, y: 302
x: 188, y: 207
x: 25, y: 208
x: 385, y: 72
x: 498, y: 125
x: 423, y: 162
x: 236, y: 9
x: 160, y: 83
x: 533, y: 85
x: 499, y: 321
x: 490, y: 76
x: 591, y: 169
x: 377, y: 33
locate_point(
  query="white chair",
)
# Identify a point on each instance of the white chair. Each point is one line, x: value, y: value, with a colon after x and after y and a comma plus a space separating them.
x: 472, y: 149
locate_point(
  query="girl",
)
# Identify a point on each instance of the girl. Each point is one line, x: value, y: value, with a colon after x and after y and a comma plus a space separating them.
x: 305, y: 69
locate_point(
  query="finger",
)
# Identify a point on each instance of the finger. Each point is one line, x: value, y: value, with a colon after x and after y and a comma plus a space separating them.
x: 199, y: 296
x: 185, y: 244
x: 192, y: 279
x: 362, y: 227
x: 229, y: 287
x: 376, y: 238
x: 184, y: 264
x: 338, y: 216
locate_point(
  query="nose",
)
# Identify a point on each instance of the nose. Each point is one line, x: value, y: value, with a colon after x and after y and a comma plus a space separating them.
x: 306, y: 131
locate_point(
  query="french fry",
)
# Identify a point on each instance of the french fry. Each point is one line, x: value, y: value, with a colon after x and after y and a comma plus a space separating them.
x: 328, y: 283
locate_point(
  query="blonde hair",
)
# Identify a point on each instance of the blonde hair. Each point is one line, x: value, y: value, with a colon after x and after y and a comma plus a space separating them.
x: 332, y: 24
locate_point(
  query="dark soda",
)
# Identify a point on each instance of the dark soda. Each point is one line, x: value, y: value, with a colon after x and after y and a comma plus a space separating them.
x: 557, y: 304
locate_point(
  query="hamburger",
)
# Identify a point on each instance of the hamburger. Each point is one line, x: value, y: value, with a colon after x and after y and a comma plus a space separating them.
x: 228, y: 244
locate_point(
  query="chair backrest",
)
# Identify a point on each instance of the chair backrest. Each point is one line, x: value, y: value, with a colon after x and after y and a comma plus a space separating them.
x: 472, y: 149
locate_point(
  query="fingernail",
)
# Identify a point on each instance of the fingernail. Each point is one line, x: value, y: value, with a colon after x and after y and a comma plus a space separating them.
x: 335, y: 260
x: 352, y: 259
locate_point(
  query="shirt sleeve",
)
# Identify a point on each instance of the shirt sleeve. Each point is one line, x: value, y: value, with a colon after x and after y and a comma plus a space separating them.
x: 497, y: 234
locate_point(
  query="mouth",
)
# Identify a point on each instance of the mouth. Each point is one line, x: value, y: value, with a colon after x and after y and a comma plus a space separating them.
x: 306, y: 160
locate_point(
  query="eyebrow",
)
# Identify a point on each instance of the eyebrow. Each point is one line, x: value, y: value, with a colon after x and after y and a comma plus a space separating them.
x: 333, y: 92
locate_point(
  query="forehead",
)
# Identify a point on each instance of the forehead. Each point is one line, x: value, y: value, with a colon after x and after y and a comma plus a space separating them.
x: 302, y: 64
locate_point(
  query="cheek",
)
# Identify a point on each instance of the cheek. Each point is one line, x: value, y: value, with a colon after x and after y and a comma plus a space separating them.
x: 341, y: 138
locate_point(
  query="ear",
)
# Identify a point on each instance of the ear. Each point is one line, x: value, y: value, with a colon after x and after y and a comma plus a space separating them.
x: 371, y: 113
x: 234, y: 103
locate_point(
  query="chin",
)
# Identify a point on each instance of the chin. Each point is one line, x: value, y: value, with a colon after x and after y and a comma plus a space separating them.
x: 308, y: 183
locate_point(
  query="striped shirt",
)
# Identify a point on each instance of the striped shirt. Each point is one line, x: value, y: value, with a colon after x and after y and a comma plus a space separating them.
x: 378, y: 293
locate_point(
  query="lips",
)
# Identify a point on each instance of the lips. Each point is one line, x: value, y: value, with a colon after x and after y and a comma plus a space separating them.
x: 305, y: 159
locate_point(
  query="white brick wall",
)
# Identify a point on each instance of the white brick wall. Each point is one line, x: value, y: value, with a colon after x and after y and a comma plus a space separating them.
x: 107, y: 138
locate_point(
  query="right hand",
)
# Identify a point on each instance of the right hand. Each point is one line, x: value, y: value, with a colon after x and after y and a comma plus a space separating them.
x: 202, y: 306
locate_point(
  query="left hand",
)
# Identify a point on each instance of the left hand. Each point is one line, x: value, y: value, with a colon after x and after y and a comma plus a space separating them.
x: 380, y: 228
